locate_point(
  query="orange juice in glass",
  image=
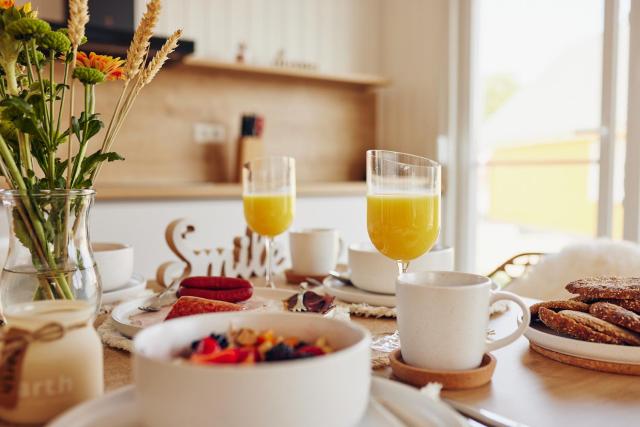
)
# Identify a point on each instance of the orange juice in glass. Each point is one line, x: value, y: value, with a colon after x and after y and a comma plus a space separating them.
x: 269, y: 214
x: 403, y: 204
x: 268, y: 194
x: 403, y: 227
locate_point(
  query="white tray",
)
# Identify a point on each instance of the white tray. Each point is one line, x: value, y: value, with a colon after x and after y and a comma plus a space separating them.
x: 272, y: 300
x: 118, y: 409
x: 544, y: 337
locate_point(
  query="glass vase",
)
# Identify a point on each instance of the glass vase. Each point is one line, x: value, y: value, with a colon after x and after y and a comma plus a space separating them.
x: 49, y: 255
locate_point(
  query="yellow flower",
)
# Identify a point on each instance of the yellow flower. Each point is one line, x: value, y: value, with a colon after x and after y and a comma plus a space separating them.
x: 26, y: 8
x: 6, y: 4
x: 108, y: 65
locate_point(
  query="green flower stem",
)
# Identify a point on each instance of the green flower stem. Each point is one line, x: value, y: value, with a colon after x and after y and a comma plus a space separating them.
x: 52, y: 135
x: 64, y: 90
x: 24, y: 146
x: 33, y: 219
x: 25, y: 47
x: 12, y: 79
x: 44, y: 285
x: 89, y: 91
x: 44, y: 104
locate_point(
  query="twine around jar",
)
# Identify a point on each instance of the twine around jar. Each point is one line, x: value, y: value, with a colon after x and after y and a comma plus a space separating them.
x: 17, y: 339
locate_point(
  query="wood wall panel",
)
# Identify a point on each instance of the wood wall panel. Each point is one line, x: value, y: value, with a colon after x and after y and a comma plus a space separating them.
x: 414, y: 56
x: 327, y: 127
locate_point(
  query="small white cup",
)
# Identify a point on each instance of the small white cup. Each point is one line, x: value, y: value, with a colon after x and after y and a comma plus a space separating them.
x: 374, y: 272
x: 314, y: 251
x: 115, y: 264
x: 443, y: 319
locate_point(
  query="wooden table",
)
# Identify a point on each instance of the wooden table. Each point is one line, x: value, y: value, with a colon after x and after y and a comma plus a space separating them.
x: 526, y: 386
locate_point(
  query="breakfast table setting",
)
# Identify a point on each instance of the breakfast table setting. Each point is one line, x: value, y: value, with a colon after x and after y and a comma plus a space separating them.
x: 526, y: 386
x: 315, y: 332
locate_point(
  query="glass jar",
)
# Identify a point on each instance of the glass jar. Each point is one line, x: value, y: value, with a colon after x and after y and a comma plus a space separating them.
x: 49, y: 254
x: 60, y: 367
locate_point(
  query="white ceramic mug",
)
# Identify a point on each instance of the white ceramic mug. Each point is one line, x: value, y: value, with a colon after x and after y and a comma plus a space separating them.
x: 314, y: 251
x: 374, y: 272
x: 115, y: 264
x: 443, y: 318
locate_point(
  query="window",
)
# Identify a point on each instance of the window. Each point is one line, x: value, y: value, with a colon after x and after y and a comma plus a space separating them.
x: 549, y: 84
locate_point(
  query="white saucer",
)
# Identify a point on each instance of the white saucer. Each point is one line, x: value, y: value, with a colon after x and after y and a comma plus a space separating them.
x: 118, y: 409
x: 134, y: 286
x: 349, y: 293
x: 272, y: 300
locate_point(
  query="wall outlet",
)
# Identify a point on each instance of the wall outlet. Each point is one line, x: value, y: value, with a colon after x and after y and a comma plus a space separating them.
x: 209, y: 133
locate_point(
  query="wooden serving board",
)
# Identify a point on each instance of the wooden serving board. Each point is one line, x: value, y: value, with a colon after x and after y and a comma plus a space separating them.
x: 595, y: 365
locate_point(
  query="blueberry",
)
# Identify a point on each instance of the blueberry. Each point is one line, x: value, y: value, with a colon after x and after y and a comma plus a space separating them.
x: 279, y: 352
x: 222, y: 340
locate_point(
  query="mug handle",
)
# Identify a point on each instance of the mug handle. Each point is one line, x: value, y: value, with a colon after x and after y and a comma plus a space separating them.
x: 526, y: 318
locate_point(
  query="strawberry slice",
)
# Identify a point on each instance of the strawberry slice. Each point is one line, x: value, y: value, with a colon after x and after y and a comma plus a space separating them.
x: 207, y: 346
x: 227, y: 356
x: 187, y: 306
x: 309, y: 351
x: 228, y: 295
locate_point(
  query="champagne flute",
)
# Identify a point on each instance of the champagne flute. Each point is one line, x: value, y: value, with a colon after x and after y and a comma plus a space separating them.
x: 268, y: 194
x: 403, y: 212
x: 403, y: 205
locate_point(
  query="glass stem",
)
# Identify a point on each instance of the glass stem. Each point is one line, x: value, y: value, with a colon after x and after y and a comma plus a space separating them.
x: 268, y: 243
x: 402, y: 267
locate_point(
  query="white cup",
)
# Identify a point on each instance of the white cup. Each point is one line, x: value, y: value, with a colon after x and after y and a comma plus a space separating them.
x: 374, y: 272
x: 115, y: 264
x: 314, y: 251
x: 443, y: 319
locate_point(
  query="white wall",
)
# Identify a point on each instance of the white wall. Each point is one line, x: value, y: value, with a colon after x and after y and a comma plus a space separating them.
x: 338, y: 35
x: 142, y: 224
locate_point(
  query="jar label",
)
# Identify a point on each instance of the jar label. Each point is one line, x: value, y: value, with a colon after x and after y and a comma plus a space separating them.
x: 12, y: 357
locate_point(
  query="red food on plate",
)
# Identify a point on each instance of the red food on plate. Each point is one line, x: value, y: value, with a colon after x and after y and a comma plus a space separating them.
x: 228, y: 289
x: 187, y: 306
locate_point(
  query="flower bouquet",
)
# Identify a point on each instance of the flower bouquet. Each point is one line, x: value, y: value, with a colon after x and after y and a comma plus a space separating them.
x: 53, y: 145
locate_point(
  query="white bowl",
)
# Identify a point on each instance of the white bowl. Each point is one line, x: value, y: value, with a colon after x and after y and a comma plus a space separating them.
x: 330, y: 390
x: 115, y: 264
x: 374, y: 272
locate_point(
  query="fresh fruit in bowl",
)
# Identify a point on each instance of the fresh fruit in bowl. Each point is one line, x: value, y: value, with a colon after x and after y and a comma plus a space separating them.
x: 284, y: 393
x: 249, y: 346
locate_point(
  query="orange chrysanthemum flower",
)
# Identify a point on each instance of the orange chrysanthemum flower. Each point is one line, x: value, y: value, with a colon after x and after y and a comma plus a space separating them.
x: 6, y: 4
x: 108, y: 65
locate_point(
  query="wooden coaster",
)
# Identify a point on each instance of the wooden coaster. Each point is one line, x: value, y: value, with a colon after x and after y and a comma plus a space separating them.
x: 594, y: 365
x: 296, y: 278
x: 450, y: 380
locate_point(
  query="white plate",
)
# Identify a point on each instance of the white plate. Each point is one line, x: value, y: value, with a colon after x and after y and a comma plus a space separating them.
x: 121, y: 315
x: 134, y: 286
x: 117, y: 409
x: 349, y: 293
x: 545, y: 337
